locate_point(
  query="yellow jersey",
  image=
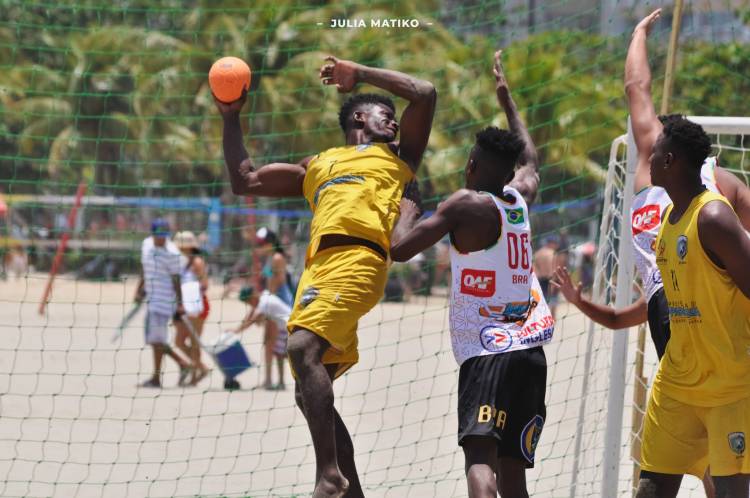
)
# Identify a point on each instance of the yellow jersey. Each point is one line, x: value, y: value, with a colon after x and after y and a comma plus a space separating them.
x: 355, y: 190
x: 707, y: 360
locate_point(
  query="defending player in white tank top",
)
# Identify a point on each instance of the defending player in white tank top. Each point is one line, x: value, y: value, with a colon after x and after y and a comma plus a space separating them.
x: 648, y: 206
x: 497, y: 304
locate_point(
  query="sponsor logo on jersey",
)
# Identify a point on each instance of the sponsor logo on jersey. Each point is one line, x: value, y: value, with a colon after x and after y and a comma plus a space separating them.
x: 495, y: 339
x: 515, y: 216
x: 646, y: 218
x: 363, y: 147
x: 684, y: 312
x: 339, y: 180
x: 682, y: 247
x: 737, y: 442
x: 509, y: 312
x: 480, y: 283
x: 660, y: 250
x: 530, y: 437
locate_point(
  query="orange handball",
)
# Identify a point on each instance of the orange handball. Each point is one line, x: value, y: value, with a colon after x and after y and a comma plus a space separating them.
x: 228, y: 77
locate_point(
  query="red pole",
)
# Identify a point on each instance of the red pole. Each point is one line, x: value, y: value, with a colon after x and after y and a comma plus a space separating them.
x: 61, y: 248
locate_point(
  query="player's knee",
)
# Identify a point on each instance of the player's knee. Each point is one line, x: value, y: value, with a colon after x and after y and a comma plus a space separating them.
x: 481, y: 480
x: 647, y: 488
x: 304, y: 349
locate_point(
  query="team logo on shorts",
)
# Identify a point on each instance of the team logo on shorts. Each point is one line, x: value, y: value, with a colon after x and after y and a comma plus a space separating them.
x: 682, y: 247
x: 737, y: 442
x: 530, y: 437
x: 515, y: 216
x: 495, y: 339
x: 308, y: 295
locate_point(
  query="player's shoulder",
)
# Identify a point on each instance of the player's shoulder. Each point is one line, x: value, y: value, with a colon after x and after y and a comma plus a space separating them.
x: 460, y: 199
x: 716, y: 219
x: 716, y: 210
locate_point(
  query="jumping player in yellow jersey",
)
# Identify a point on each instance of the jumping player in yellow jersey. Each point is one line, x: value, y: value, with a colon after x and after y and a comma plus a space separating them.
x: 354, y: 193
x: 699, y: 410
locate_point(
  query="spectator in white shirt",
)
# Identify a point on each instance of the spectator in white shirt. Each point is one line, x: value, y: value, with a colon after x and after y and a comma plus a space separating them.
x: 268, y: 307
x: 159, y: 284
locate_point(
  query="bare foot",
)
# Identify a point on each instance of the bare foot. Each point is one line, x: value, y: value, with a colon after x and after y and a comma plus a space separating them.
x: 331, y: 487
x: 198, y: 375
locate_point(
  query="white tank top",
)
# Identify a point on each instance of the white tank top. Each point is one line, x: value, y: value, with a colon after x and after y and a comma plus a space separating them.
x: 646, y: 217
x: 497, y: 304
x: 186, y: 272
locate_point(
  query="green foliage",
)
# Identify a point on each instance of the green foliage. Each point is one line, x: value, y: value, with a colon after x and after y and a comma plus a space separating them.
x: 117, y: 93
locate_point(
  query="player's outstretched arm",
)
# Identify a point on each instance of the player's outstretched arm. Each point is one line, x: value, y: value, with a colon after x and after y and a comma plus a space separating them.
x: 726, y: 242
x: 645, y: 123
x: 254, y: 316
x: 526, y: 179
x: 607, y: 316
x: 409, y: 238
x: 271, y: 180
x: 416, y: 121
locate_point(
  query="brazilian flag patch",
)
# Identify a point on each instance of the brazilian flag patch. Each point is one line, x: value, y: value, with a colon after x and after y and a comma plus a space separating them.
x: 515, y: 216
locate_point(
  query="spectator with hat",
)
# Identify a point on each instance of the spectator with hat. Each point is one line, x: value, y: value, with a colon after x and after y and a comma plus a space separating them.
x: 194, y: 284
x: 159, y: 285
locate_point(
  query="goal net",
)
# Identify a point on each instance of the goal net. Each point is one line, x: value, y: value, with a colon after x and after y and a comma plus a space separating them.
x: 620, y: 365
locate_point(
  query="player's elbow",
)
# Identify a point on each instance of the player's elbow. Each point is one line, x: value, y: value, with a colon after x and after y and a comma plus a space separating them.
x: 399, y: 254
x: 637, y: 85
x: 426, y: 91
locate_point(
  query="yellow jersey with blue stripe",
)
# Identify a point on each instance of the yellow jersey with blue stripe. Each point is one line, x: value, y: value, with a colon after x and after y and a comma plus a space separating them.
x: 707, y: 360
x: 355, y: 190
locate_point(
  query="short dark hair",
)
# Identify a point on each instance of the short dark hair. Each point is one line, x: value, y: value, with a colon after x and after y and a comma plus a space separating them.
x: 504, y: 145
x: 354, y: 102
x: 688, y: 138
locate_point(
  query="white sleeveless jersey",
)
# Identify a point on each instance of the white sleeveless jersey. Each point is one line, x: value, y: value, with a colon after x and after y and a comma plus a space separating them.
x: 646, y: 213
x: 497, y: 304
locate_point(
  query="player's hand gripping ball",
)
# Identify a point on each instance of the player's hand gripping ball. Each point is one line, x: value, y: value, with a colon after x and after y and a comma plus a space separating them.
x: 228, y: 77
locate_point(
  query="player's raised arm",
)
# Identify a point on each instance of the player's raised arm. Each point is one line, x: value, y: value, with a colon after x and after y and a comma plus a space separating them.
x: 271, y: 180
x: 726, y: 242
x: 526, y: 179
x: 409, y: 238
x: 416, y: 121
x: 645, y: 123
x: 609, y: 317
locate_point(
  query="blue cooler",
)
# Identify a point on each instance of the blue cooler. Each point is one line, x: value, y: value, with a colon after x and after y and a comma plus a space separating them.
x: 231, y: 356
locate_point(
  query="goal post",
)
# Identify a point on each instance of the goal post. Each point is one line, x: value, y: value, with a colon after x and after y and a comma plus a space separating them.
x: 614, y: 285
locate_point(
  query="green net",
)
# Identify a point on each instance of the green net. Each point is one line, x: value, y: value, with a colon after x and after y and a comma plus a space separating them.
x: 114, y: 96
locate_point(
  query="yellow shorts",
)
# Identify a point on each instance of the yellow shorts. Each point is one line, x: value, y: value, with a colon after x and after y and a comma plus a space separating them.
x: 684, y: 439
x: 339, y: 286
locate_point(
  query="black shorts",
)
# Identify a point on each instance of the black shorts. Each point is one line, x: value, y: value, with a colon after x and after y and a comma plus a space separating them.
x: 502, y: 396
x: 658, y: 321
